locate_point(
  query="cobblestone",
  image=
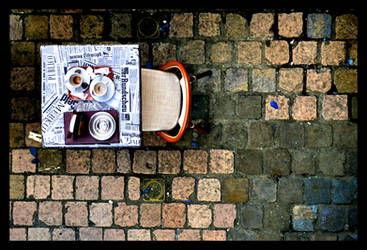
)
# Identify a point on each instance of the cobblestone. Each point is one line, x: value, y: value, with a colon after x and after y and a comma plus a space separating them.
x: 280, y: 161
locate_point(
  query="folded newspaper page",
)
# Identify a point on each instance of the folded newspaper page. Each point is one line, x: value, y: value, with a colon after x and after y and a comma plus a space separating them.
x: 55, y: 101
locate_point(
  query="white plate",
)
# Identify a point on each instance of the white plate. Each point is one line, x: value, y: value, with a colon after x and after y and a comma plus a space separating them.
x: 85, y: 76
x: 110, y: 89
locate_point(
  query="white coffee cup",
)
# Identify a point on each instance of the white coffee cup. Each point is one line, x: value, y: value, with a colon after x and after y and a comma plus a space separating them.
x: 100, y: 89
x: 76, y: 80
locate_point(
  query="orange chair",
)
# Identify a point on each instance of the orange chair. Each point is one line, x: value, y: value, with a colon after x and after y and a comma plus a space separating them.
x: 166, y: 99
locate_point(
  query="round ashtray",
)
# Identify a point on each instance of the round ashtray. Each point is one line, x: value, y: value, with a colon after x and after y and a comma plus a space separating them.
x: 102, y: 126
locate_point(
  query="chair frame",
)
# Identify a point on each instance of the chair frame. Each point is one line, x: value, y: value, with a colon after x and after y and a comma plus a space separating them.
x: 183, y: 120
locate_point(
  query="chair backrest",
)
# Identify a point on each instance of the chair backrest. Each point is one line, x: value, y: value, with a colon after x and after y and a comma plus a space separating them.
x: 160, y: 99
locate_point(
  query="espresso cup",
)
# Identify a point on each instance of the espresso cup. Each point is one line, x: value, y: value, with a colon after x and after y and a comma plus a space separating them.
x: 75, y: 80
x: 100, y: 89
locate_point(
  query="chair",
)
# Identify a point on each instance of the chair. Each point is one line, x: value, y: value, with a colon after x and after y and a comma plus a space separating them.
x: 165, y: 100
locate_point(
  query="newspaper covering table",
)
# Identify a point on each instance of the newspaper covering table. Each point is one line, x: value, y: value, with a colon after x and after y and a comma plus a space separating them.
x: 125, y: 64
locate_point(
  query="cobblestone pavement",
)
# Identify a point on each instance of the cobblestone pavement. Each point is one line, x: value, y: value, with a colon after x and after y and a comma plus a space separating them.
x: 279, y: 163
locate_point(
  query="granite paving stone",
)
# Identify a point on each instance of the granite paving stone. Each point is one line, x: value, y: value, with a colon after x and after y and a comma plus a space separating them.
x: 332, y: 53
x: 290, y: 24
x: 50, y: 212
x: 63, y: 234
x: 163, y: 235
x: 125, y: 215
x: 17, y: 234
x: 319, y: 25
x: 318, y: 81
x: 305, y: 52
x: 249, y: 52
x: 260, y: 25
x: 114, y: 235
x: 208, y: 189
x: 182, y: 188
x: 76, y: 213
x: 279, y: 161
x: 346, y: 26
x: 291, y: 80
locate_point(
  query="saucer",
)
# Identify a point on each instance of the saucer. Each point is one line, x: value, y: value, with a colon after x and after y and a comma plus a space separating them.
x: 85, y: 76
x: 110, y: 89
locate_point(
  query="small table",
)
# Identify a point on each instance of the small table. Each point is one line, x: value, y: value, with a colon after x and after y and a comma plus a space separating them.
x: 124, y: 61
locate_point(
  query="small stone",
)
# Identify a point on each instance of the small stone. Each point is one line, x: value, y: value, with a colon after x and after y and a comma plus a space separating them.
x: 145, y: 162
x: 163, y: 53
x: 182, y: 188
x: 150, y: 215
x: 103, y: 161
x: 346, y: 26
x: 181, y: 25
x: 319, y: 25
x: 221, y: 161
x: 214, y: 235
x: 235, y: 26
x: 235, y: 190
x: 252, y: 216
x: 174, y: 215
x: 305, y: 108
x: 16, y: 135
x: 263, y: 80
x: 195, y: 161
x: 61, y: 27
x: 209, y: 24
x: 199, y: 216
x: 193, y: 52
x: 112, y: 188
x: 38, y: 186
x: 249, y: 52
x: 332, y: 218
x: 291, y: 79
x: 91, y: 26
x: 114, y: 235
x: 123, y: 161
x: 62, y: 187
x: 318, y: 81
x: 333, y: 53
x: 100, y: 214
x: 126, y: 215
x: 281, y: 113
x: 260, y: 25
x: 87, y: 187
x: 263, y: 189
x: 133, y: 187
x: 16, y: 187
x: 334, y: 156
x: 120, y: 26
x: 50, y: 212
x: 335, y: 107
x: 318, y: 135
x: 78, y: 161
x: 169, y: 162
x: 209, y: 190
x: 90, y: 233
x: 236, y: 79
x: 304, y: 217
x: 346, y: 80
x: 277, y: 52
x: 290, y: 25
x: 138, y: 235
x: 224, y: 215
x: 36, y: 27
x: 305, y: 52
x: 221, y: 52
x: 39, y: 234
x: 317, y: 190
x: 76, y: 214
